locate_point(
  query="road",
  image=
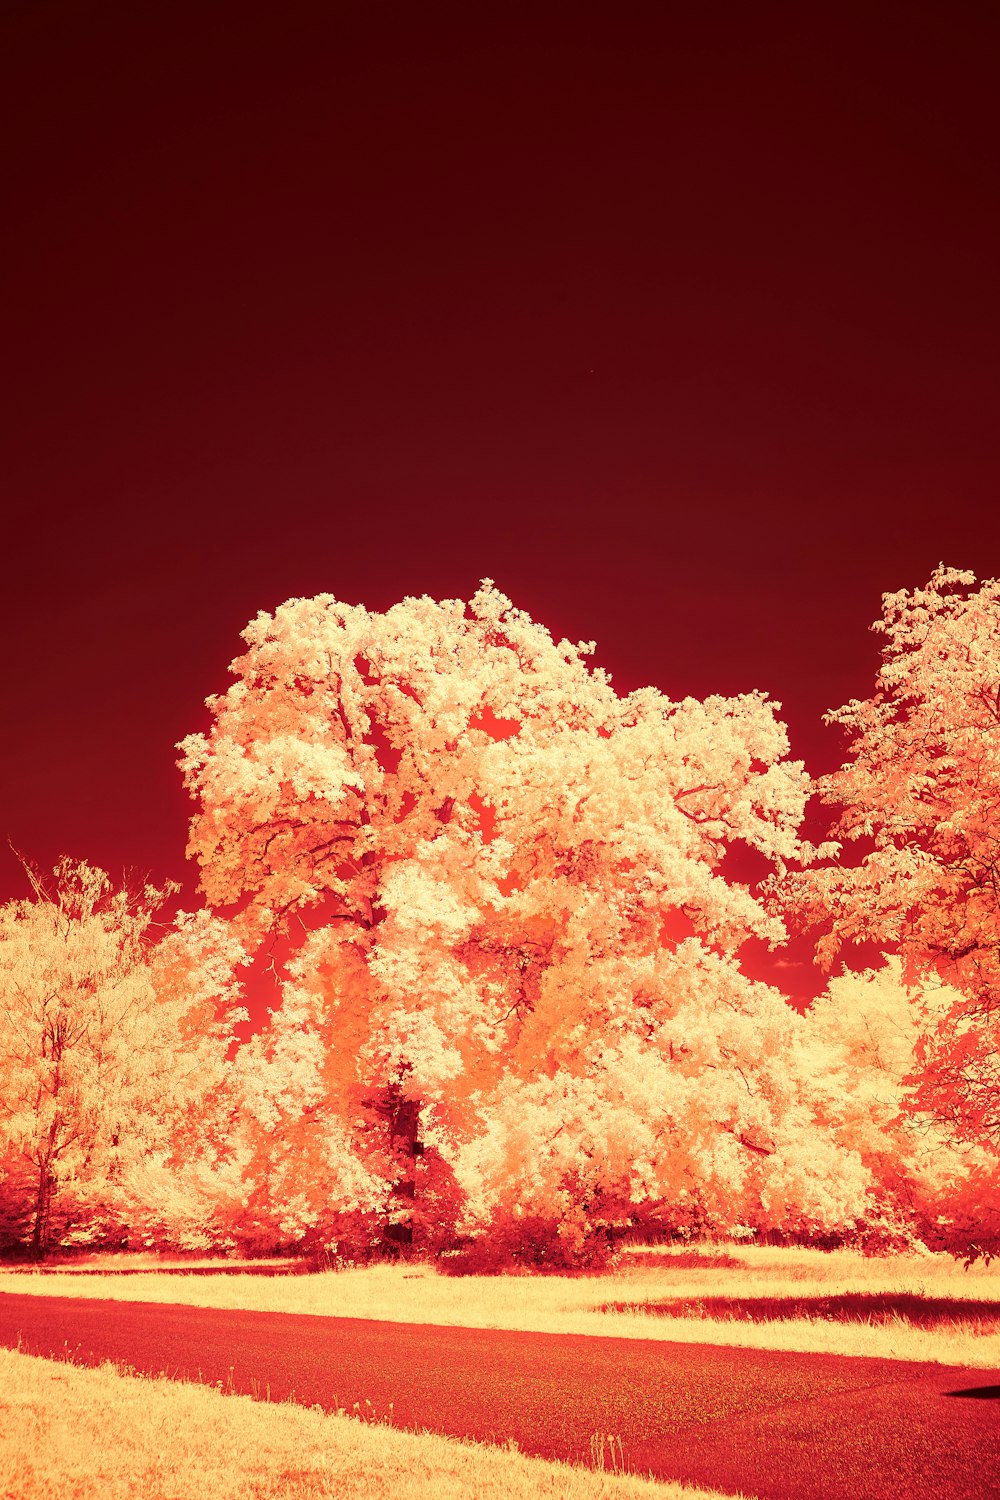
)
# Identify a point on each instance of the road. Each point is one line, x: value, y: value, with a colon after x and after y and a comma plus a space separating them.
x: 775, y: 1425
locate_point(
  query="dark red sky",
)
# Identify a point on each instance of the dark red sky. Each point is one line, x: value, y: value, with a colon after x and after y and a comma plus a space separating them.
x: 679, y: 322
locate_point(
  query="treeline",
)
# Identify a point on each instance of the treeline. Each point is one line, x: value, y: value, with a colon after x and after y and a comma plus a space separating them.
x: 513, y: 1024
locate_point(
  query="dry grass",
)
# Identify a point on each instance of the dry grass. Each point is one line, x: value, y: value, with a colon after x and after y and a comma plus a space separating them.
x: 74, y: 1434
x: 572, y: 1304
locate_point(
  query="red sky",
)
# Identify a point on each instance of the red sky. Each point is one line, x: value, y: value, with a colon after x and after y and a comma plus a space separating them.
x: 679, y: 322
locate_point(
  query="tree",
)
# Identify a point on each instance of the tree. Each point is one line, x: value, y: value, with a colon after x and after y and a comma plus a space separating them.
x: 500, y: 885
x: 919, y: 798
x: 76, y: 998
x: 866, y: 1035
x: 103, y: 1052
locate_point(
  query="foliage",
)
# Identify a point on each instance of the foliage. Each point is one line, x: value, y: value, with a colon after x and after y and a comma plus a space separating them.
x: 526, y: 1243
x: 868, y: 1033
x: 918, y: 798
x: 75, y: 1021
x: 105, y: 1057
x: 508, y: 936
x: 511, y: 1021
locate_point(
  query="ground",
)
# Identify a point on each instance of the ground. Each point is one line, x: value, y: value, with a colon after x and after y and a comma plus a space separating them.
x: 917, y: 1307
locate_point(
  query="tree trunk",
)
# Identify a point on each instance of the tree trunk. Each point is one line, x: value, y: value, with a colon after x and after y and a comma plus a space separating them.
x: 43, y: 1204
x: 404, y: 1124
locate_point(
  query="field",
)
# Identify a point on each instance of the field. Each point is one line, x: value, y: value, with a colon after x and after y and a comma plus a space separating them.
x: 166, y: 1441
x: 919, y: 1307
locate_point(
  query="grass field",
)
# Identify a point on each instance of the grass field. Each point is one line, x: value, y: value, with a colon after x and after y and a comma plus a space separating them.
x: 76, y: 1434
x: 919, y: 1307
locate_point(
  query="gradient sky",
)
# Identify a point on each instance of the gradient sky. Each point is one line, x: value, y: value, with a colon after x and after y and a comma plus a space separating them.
x: 679, y: 322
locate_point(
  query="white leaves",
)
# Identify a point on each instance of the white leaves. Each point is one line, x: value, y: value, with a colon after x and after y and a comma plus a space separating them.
x: 106, y: 1048
x: 920, y: 793
x: 505, y: 858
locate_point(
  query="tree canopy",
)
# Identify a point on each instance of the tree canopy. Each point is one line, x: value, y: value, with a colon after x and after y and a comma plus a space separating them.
x: 917, y: 803
x: 509, y: 916
x: 511, y: 1015
x: 105, y: 1050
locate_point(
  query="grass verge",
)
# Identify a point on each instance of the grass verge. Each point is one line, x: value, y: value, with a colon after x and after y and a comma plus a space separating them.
x: 68, y: 1433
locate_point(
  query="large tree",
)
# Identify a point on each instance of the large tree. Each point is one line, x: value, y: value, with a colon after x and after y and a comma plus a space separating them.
x: 497, y: 885
x: 918, y: 799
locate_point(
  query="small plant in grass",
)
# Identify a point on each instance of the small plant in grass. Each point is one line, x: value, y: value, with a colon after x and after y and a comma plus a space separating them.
x: 606, y: 1453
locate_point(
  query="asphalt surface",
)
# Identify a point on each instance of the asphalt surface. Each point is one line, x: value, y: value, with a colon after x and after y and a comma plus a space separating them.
x: 774, y: 1425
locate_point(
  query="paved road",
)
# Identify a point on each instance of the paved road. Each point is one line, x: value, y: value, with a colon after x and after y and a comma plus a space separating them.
x: 779, y: 1426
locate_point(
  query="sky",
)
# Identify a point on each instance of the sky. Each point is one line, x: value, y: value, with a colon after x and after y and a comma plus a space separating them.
x: 681, y: 323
